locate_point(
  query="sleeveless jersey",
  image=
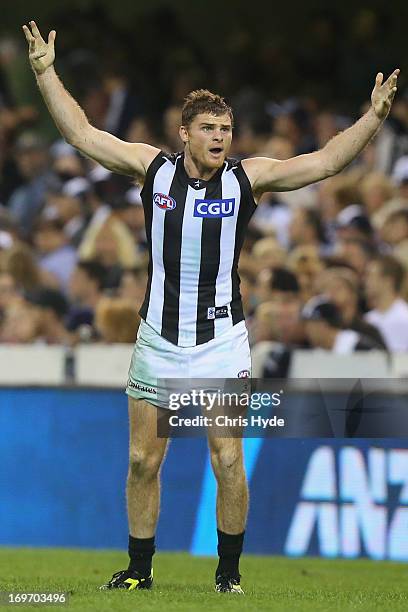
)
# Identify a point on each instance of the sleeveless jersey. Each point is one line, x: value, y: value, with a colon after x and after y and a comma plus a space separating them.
x: 195, y: 231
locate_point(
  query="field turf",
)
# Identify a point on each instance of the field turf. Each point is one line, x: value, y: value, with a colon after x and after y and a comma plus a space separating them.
x: 185, y: 583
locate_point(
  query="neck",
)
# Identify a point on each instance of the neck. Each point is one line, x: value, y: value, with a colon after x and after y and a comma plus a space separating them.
x: 196, y: 170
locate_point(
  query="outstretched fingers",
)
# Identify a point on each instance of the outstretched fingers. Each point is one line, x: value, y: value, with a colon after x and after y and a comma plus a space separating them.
x: 379, y: 79
x: 391, y: 82
x: 36, y: 32
x: 29, y: 37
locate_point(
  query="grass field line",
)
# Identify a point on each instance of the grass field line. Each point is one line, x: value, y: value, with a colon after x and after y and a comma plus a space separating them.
x: 186, y: 582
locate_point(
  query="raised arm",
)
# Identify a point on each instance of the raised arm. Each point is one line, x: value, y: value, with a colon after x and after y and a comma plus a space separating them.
x: 132, y: 159
x: 274, y: 175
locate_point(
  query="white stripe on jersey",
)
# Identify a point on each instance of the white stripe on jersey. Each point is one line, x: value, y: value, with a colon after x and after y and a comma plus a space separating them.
x: 162, y: 183
x: 223, y: 287
x: 190, y: 269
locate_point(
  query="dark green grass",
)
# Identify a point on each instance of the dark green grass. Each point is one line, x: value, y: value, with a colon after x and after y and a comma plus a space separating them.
x: 183, y: 582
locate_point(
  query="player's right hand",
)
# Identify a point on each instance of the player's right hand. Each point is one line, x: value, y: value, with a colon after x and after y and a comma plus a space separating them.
x: 40, y: 53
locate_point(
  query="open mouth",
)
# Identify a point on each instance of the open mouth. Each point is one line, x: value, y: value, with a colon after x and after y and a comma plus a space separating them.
x: 216, y: 150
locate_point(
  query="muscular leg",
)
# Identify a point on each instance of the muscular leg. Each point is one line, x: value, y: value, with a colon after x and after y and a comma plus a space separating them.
x: 146, y: 454
x: 232, y: 505
x: 232, y: 491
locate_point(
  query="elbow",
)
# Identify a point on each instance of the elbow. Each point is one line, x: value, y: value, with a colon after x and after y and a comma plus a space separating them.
x: 77, y: 138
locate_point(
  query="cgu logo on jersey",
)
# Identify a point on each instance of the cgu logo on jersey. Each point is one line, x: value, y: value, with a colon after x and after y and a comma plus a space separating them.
x: 214, y: 209
x: 164, y: 202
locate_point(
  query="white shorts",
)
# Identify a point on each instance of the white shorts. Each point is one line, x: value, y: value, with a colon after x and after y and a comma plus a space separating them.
x: 155, y: 359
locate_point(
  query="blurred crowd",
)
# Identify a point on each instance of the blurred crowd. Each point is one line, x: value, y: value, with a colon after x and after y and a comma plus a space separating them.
x: 322, y: 267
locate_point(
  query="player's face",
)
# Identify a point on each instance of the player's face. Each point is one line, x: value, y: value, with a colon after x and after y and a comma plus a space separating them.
x: 208, y: 139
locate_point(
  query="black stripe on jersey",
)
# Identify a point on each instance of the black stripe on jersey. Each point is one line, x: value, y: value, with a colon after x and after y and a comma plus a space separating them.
x: 244, y: 215
x: 147, y: 199
x: 173, y: 227
x: 209, y: 265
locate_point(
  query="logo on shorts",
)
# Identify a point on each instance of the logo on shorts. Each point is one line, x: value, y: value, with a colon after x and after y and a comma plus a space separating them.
x: 244, y: 374
x: 214, y: 209
x: 164, y: 202
x: 136, y: 385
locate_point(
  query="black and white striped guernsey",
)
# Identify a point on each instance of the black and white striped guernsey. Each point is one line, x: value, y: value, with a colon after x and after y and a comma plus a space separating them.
x: 195, y: 230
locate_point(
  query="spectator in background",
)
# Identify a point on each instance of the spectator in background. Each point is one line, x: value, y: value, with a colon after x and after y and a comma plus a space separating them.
x: 8, y: 228
x: 306, y: 229
x: 306, y: 263
x: 278, y: 284
x: 353, y: 223
x: 8, y: 290
x: 377, y: 191
x: 267, y: 253
x: 272, y: 217
x: 20, y: 262
x: 324, y: 329
x: 8, y: 295
x: 395, y: 234
x: 277, y: 328
x: 248, y: 291
x: 68, y: 202
x: 116, y: 320
x: 123, y: 103
x: 128, y: 208
x: 85, y: 291
x: 384, y: 284
x: 400, y: 176
x: 20, y: 323
x: 133, y: 285
x: 56, y: 256
x: 113, y: 245
x: 27, y: 200
x: 356, y: 253
x: 141, y: 129
x: 171, y: 125
x: 335, y: 195
x: 399, y: 197
x: 6, y: 242
x: 277, y: 315
x: 66, y: 163
x: 50, y: 308
x: 341, y: 287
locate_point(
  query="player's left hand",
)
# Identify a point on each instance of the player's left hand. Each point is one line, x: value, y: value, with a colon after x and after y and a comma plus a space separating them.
x: 383, y: 93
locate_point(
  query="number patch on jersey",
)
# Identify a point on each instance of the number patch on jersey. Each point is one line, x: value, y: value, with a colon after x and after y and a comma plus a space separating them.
x: 164, y: 202
x: 214, y: 209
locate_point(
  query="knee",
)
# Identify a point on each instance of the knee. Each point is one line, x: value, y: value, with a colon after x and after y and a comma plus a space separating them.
x: 143, y: 465
x: 226, y: 462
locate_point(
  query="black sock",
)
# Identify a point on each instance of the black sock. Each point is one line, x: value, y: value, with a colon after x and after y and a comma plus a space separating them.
x: 229, y: 552
x: 141, y: 551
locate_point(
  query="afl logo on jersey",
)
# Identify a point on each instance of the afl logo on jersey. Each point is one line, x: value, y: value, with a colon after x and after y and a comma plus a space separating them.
x: 164, y: 202
x: 214, y: 208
